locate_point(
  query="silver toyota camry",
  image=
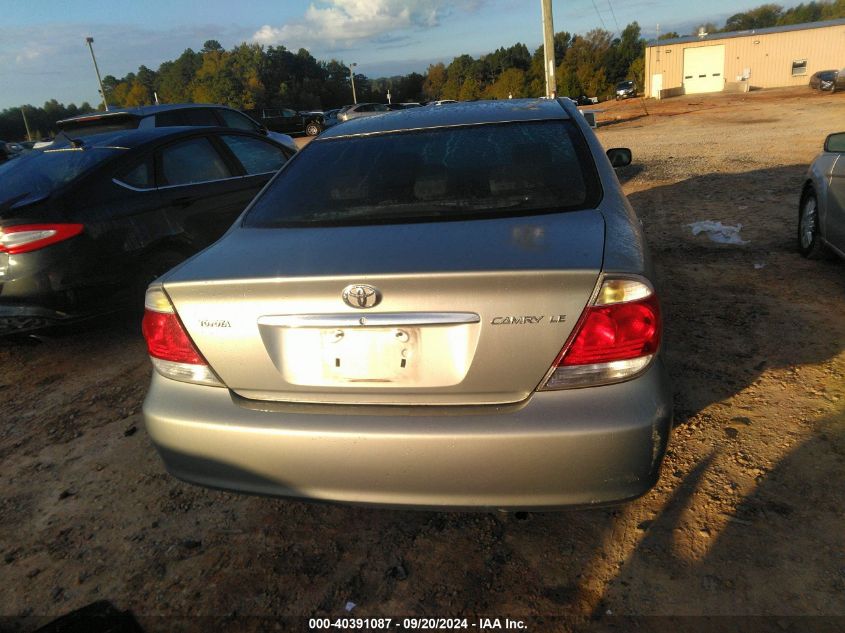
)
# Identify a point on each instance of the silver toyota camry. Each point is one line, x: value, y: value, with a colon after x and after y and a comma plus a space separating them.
x: 821, y: 214
x: 459, y: 314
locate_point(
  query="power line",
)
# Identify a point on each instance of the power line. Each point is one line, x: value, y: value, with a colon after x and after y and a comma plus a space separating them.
x: 613, y: 13
x: 601, y: 19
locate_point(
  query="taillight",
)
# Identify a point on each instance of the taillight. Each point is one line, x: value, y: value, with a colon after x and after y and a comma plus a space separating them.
x: 171, y: 349
x: 615, y: 338
x: 24, y: 238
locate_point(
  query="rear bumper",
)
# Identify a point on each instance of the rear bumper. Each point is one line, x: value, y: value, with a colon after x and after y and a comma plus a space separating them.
x: 557, y: 449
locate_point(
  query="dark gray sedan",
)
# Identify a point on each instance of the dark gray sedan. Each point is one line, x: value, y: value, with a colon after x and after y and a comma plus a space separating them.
x: 460, y: 314
x: 821, y: 215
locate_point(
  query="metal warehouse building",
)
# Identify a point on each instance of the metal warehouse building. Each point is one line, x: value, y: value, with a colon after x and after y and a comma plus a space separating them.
x: 764, y: 58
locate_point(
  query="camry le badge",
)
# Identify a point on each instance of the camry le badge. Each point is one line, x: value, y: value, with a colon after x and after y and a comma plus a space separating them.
x: 361, y: 296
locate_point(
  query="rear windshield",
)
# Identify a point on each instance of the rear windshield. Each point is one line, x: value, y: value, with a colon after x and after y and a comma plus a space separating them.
x: 478, y: 171
x: 43, y: 172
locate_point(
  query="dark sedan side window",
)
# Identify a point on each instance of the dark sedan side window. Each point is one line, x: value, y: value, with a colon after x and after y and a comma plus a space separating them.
x: 190, y: 161
x: 140, y: 176
x: 194, y: 117
x: 237, y: 121
x: 199, y: 117
x: 257, y: 157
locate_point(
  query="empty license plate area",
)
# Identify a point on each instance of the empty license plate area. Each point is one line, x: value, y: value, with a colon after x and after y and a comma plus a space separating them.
x: 407, y: 350
x: 370, y: 354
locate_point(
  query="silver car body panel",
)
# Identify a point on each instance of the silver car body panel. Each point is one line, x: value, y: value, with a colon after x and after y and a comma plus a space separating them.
x: 827, y: 175
x: 555, y: 449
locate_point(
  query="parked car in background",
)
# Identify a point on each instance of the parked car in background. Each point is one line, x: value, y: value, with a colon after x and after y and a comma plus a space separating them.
x: 85, y: 225
x: 5, y: 152
x: 171, y: 115
x: 442, y: 102
x: 403, y: 106
x: 330, y: 118
x: 626, y: 90
x: 459, y: 312
x: 290, y: 121
x: 832, y: 80
x: 821, y: 213
x: 361, y: 109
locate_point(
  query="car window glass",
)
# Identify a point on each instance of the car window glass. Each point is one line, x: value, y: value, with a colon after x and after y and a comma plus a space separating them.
x: 287, y: 112
x: 194, y: 160
x: 42, y: 172
x: 236, y: 120
x: 199, y: 117
x: 460, y: 173
x: 257, y: 157
x: 380, y: 107
x: 169, y: 119
x: 140, y: 176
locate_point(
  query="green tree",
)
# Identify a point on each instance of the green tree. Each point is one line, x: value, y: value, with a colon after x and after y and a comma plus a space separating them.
x: 137, y: 95
x: 636, y: 72
x: 583, y: 68
x: 761, y: 17
x: 623, y: 52
x: 435, y: 80
x: 175, y: 77
x: 470, y: 90
x: 510, y: 83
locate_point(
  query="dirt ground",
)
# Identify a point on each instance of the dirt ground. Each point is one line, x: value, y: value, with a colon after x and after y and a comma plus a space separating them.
x: 748, y: 518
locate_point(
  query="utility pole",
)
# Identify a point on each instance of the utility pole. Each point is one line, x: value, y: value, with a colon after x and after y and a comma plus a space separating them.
x: 549, y: 48
x: 658, y: 41
x: 90, y: 41
x: 352, y: 77
x: 26, y: 125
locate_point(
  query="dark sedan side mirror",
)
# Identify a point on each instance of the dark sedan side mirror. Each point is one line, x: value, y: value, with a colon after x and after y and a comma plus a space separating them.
x: 835, y: 143
x: 619, y: 156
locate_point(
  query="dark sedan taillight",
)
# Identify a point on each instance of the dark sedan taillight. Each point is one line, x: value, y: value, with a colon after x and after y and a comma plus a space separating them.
x: 615, y: 339
x: 24, y: 238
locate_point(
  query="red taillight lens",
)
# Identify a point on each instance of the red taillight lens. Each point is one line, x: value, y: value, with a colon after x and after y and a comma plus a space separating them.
x: 167, y: 339
x: 24, y: 238
x: 615, y: 332
x: 615, y: 339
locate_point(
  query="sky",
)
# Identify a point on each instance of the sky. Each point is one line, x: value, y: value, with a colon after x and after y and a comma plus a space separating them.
x: 43, y: 54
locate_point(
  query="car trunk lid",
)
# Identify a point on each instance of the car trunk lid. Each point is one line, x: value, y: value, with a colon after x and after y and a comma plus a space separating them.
x: 470, y: 312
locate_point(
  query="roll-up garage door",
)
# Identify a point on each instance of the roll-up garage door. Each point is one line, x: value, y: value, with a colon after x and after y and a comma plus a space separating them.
x: 704, y: 69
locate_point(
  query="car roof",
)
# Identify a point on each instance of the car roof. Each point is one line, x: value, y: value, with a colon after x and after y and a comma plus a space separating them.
x: 135, y: 138
x: 464, y: 113
x: 139, y: 111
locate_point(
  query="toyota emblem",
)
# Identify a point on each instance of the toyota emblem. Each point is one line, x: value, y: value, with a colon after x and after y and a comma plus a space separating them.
x: 361, y: 296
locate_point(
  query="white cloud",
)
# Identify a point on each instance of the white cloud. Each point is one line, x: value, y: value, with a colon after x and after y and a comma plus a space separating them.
x: 338, y: 23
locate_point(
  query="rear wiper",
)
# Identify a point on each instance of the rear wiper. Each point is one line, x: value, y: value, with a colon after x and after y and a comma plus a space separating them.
x: 75, y: 142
